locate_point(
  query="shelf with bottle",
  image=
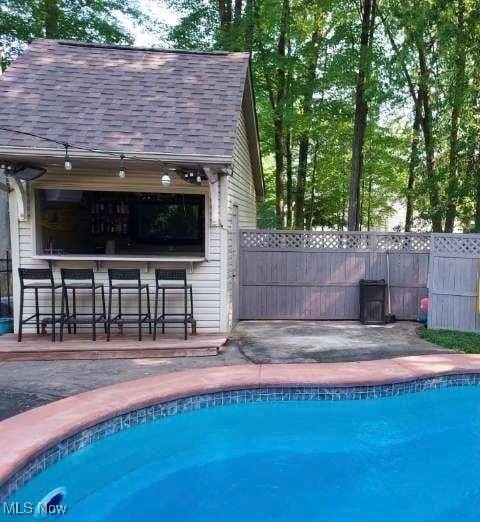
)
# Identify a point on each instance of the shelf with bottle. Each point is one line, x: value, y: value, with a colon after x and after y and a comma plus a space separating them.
x: 109, y: 215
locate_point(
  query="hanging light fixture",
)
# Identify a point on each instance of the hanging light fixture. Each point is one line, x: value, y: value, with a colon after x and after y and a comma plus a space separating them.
x: 67, y: 163
x: 166, y: 180
x: 122, y: 172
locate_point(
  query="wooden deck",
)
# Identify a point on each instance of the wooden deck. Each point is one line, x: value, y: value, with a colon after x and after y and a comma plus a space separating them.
x: 80, y: 346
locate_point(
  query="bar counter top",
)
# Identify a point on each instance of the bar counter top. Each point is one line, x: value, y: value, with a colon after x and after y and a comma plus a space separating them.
x: 174, y: 258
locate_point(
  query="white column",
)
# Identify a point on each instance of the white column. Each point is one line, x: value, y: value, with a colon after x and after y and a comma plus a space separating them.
x: 214, y: 197
x: 15, y: 251
x: 20, y: 189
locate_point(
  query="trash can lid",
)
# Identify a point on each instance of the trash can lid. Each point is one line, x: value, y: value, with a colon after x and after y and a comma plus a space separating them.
x: 372, y: 282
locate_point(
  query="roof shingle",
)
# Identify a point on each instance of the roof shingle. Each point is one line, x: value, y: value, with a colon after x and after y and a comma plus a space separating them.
x: 124, y: 99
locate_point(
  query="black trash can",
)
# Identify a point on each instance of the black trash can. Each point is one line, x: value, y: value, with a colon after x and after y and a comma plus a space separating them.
x: 372, y: 301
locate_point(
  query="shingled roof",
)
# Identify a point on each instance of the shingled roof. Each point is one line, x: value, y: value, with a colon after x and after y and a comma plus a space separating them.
x: 125, y: 99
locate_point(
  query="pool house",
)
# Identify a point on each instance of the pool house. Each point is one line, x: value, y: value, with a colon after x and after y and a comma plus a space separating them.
x: 127, y: 158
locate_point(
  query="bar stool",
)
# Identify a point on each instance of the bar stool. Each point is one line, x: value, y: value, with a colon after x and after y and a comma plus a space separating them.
x: 37, y: 279
x: 81, y: 279
x: 128, y: 279
x: 171, y: 276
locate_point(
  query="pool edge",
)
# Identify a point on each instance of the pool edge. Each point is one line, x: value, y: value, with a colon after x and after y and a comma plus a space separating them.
x: 28, y: 434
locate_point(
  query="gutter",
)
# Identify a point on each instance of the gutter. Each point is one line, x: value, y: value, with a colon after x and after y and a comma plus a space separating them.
x: 257, y: 127
x: 193, y: 159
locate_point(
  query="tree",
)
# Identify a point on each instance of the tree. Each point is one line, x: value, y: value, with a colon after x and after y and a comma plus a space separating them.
x: 312, y: 53
x: 22, y: 20
x: 361, y: 110
x: 457, y: 93
x: 277, y: 93
x: 409, y: 135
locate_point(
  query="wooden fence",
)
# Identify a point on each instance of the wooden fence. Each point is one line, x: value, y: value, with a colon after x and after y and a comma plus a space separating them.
x: 453, y: 282
x: 315, y: 275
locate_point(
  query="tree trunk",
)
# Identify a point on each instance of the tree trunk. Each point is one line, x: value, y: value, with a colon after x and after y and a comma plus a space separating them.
x: 277, y: 100
x: 225, y: 18
x: 426, y: 123
x: 474, y: 156
x: 228, y: 12
x: 237, y: 11
x: 475, y: 164
x: 52, y: 13
x: 279, y: 168
x: 289, y: 173
x: 414, y: 151
x: 412, y: 166
x: 250, y: 16
x: 299, y: 221
x: 311, y: 211
x: 369, y: 204
x: 458, y: 90
x: 304, y: 141
x: 423, y: 109
x: 361, y: 109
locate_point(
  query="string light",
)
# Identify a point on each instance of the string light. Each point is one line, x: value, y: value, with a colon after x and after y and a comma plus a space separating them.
x: 67, y: 162
x: 121, y: 168
x: 189, y: 175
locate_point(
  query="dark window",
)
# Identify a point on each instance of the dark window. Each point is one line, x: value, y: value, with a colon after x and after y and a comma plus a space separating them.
x: 122, y: 223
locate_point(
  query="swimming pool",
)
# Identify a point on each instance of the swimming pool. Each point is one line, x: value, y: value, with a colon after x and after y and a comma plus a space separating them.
x: 279, y: 454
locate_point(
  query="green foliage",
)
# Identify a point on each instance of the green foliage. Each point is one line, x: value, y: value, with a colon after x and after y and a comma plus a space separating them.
x: 330, y: 125
x: 92, y: 21
x: 466, y: 342
x: 198, y: 26
x: 284, y: 37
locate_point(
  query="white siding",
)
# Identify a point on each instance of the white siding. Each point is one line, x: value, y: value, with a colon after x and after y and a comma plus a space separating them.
x: 241, y: 192
x: 205, y: 276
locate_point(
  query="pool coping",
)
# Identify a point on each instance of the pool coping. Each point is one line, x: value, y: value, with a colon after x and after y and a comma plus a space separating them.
x: 28, y: 434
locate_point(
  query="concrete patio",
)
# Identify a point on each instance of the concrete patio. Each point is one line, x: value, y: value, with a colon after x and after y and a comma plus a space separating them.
x: 263, y: 342
x: 26, y: 384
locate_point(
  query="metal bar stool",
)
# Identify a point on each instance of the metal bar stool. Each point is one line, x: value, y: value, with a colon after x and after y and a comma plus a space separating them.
x: 128, y: 279
x: 161, y: 276
x: 37, y: 279
x: 81, y: 279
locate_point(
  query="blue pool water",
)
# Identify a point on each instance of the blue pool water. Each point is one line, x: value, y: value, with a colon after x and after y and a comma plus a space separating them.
x: 415, y: 457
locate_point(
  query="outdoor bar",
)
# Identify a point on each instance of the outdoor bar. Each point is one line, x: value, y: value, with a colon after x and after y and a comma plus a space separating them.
x: 115, y: 178
x: 134, y: 215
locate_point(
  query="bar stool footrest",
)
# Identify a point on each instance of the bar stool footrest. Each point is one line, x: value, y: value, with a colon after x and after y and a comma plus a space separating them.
x: 130, y: 318
x: 84, y: 319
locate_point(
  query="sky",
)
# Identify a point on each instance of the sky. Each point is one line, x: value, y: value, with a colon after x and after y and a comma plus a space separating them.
x: 160, y: 13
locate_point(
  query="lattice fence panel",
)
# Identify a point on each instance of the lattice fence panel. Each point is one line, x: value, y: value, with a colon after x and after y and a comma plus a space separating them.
x: 352, y: 241
x: 403, y: 243
x: 458, y: 244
